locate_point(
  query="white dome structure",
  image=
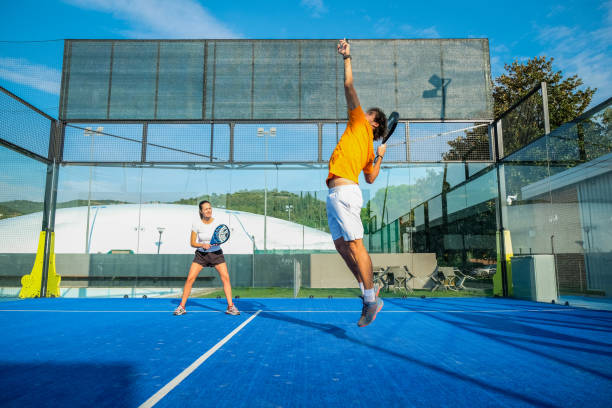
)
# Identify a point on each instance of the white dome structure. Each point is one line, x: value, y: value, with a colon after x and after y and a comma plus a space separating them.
x: 135, y: 227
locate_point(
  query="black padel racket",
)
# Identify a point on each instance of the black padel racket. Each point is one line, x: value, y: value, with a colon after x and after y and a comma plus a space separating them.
x: 221, y: 235
x: 391, y: 125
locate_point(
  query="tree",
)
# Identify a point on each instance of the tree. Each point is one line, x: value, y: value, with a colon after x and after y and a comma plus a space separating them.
x: 566, y: 101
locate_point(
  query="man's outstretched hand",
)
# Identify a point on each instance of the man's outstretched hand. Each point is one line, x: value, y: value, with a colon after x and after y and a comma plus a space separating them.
x: 344, y: 48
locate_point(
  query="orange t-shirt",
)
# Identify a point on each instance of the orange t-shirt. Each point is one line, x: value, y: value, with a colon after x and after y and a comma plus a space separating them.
x: 355, y: 150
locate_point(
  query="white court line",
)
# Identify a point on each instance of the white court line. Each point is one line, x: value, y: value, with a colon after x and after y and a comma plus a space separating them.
x: 107, y: 311
x: 179, y: 378
x: 294, y: 311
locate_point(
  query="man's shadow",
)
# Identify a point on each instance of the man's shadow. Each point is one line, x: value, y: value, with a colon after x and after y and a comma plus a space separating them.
x: 250, y: 306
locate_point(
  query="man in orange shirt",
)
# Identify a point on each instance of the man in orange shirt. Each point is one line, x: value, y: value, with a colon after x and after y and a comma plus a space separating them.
x: 354, y: 153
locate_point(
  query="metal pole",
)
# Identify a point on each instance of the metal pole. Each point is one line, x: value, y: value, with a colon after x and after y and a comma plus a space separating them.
x: 266, y: 196
x: 545, y: 107
x: 253, y: 264
x: 50, y: 203
x: 49, y: 220
x: 501, y: 195
x: 89, y: 194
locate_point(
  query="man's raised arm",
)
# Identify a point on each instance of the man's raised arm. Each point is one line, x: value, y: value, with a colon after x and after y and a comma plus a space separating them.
x: 352, y: 101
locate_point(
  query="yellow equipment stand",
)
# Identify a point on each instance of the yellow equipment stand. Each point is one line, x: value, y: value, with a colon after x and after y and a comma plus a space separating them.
x: 497, y: 278
x: 31, y: 284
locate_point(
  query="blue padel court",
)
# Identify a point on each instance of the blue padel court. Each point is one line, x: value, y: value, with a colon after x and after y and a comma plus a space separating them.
x: 304, y: 352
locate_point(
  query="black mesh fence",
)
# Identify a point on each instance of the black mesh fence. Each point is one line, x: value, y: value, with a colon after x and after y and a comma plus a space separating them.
x: 23, y: 126
x: 272, y: 79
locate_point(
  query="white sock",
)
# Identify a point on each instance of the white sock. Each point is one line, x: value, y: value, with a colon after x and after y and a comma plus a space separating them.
x: 361, y: 287
x: 369, y: 295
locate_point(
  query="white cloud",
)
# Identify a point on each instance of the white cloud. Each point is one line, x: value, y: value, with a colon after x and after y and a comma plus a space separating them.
x: 415, y: 32
x: 586, y: 53
x: 502, y: 49
x: 385, y: 27
x: 608, y: 5
x: 23, y: 72
x: 497, y: 66
x: 316, y: 7
x: 555, y: 10
x: 161, y: 18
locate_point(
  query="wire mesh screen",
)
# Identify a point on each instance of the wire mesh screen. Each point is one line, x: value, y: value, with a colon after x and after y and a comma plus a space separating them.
x: 276, y: 142
x: 396, y: 145
x: 23, y: 126
x: 272, y: 79
x: 331, y: 134
x: 434, y: 142
x: 110, y: 142
x: 188, y: 143
x: 523, y: 124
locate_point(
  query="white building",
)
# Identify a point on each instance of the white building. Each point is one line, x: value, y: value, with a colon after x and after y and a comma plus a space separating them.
x: 135, y: 227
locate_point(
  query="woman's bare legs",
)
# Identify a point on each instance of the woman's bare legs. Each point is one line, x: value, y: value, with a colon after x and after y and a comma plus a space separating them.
x: 193, y: 274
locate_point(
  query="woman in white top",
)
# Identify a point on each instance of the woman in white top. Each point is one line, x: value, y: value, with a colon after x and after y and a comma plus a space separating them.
x: 206, y: 256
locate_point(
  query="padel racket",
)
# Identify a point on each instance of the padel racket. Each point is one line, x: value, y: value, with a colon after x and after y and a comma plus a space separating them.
x: 221, y: 235
x: 391, y: 125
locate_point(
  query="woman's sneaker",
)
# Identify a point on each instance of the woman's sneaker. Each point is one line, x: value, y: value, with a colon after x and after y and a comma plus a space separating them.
x: 180, y: 310
x: 232, y: 310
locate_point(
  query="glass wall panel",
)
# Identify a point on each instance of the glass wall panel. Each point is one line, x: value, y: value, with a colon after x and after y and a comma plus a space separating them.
x: 22, y: 190
x: 557, y: 192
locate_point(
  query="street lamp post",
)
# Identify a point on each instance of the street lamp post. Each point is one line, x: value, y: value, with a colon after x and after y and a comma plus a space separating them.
x: 92, y: 133
x: 264, y: 133
x: 161, y: 231
x: 288, y: 208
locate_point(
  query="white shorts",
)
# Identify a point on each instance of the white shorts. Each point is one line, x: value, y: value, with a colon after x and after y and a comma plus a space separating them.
x: 344, y: 212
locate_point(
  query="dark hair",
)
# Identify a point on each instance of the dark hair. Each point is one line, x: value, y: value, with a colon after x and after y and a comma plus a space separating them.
x: 381, y: 119
x: 202, y: 202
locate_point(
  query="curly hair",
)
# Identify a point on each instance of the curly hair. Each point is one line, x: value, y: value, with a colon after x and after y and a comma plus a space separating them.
x: 381, y: 119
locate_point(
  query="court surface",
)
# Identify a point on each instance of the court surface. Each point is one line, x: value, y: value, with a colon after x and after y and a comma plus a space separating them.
x: 433, y: 352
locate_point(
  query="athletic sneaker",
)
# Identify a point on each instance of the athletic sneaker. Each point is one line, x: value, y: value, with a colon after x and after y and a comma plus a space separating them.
x: 180, y: 310
x: 369, y: 312
x: 232, y: 310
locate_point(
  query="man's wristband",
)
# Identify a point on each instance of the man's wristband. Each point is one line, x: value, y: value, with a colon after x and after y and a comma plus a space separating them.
x: 347, y: 57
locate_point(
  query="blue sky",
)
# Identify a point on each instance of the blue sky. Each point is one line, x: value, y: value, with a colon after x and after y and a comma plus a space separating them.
x: 578, y: 34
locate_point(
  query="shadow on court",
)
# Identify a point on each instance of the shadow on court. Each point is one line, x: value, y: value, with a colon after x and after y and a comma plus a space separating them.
x: 521, y: 336
x: 66, y: 384
x: 253, y: 306
x: 219, y: 304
